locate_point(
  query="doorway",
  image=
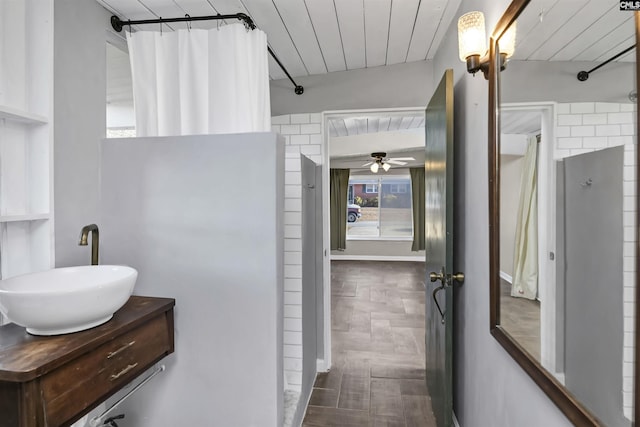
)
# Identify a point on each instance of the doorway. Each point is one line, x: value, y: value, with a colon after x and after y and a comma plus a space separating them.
x: 349, y: 140
x: 377, y: 280
x: 521, y: 121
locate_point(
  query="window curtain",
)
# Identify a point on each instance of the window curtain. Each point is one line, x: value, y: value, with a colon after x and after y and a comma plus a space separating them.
x: 525, y: 260
x: 418, y: 204
x: 197, y: 81
x: 339, y: 186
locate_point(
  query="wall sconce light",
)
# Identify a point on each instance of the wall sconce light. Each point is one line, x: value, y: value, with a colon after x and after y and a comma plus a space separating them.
x: 472, y: 45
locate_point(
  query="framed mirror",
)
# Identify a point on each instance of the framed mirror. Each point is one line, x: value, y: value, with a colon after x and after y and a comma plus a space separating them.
x: 563, y: 126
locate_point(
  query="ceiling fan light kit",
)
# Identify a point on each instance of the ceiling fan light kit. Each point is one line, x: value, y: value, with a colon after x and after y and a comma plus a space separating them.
x: 380, y: 160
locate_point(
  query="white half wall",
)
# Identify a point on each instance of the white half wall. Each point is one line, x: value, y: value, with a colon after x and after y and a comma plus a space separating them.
x: 208, y: 232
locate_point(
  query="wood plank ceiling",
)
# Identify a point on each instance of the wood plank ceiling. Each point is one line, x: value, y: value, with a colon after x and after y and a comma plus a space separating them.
x: 574, y: 30
x: 320, y: 36
x: 351, y: 126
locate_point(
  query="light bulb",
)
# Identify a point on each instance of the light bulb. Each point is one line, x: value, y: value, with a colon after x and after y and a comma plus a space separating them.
x: 386, y: 166
x: 507, y: 42
x: 471, y: 35
x: 374, y: 168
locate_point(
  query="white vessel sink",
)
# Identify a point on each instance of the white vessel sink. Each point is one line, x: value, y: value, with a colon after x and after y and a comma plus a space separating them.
x: 65, y: 300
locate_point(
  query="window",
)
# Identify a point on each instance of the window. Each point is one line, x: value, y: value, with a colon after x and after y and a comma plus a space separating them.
x: 120, y: 112
x: 385, y: 204
x: 398, y: 188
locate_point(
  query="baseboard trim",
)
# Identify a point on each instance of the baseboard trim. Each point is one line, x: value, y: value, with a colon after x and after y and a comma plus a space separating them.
x: 376, y: 258
x: 506, y: 277
x: 321, y: 365
x: 455, y: 420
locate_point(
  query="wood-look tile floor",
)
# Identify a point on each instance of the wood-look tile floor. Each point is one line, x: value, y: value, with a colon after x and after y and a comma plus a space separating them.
x: 520, y: 317
x: 378, y: 331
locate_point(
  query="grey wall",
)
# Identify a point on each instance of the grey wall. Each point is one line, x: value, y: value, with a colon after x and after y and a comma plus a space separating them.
x: 490, y: 389
x: 401, y: 85
x: 178, y: 211
x: 79, y: 121
x: 523, y: 80
x: 510, y: 177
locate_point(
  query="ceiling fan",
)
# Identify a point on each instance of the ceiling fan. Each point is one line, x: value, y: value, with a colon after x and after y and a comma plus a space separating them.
x: 380, y: 160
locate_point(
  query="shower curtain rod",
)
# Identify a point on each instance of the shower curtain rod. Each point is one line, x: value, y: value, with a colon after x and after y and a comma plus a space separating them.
x: 584, y: 75
x: 118, y: 24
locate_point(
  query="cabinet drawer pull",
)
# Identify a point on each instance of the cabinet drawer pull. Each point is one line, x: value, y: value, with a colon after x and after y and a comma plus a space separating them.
x: 124, y: 371
x: 120, y: 350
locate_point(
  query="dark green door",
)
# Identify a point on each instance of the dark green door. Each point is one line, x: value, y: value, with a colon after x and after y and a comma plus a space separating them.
x: 439, y: 249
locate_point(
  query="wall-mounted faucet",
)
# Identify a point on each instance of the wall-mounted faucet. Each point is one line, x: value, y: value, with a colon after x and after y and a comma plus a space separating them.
x: 95, y: 239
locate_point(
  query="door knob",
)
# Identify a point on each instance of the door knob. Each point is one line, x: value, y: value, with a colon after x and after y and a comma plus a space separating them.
x: 434, y: 277
x: 458, y: 277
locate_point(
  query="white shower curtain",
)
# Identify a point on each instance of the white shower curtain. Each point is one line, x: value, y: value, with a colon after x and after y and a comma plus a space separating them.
x: 196, y: 81
x: 525, y: 260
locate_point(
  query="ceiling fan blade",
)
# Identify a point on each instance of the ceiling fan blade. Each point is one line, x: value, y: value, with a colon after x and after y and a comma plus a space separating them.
x: 396, y: 162
x: 402, y: 158
x: 367, y: 164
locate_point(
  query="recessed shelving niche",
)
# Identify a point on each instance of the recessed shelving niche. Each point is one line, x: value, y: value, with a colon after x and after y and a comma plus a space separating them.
x: 26, y: 137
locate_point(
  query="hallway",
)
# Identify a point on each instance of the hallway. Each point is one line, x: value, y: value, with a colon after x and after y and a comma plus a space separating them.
x: 377, y: 378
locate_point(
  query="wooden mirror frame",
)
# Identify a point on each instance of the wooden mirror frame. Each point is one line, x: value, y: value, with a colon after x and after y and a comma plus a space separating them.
x: 575, y: 411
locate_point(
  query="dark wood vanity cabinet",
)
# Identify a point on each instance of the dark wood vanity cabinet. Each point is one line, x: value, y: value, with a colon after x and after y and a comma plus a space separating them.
x: 54, y: 381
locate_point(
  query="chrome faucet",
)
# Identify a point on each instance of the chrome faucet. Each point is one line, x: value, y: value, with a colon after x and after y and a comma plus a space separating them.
x: 95, y: 238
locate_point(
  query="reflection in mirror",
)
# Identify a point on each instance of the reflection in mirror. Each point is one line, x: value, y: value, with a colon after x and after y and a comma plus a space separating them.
x: 567, y: 200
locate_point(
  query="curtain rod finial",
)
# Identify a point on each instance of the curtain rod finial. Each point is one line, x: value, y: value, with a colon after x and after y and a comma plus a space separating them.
x: 299, y: 90
x: 116, y: 23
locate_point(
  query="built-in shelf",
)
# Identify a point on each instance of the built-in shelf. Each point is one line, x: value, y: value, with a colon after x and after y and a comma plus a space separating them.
x: 27, y: 217
x: 17, y: 115
x: 26, y: 139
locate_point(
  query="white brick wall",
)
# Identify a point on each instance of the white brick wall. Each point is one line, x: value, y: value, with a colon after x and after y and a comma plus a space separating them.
x: 302, y: 133
x: 589, y: 126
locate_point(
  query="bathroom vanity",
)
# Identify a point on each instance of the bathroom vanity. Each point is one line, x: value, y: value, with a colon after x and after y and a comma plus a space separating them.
x: 53, y: 381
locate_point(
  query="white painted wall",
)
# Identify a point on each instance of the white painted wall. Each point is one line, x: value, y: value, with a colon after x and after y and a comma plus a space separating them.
x: 372, y: 142
x: 79, y: 122
x: 178, y: 211
x: 374, y: 249
x: 589, y: 126
x: 490, y: 388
